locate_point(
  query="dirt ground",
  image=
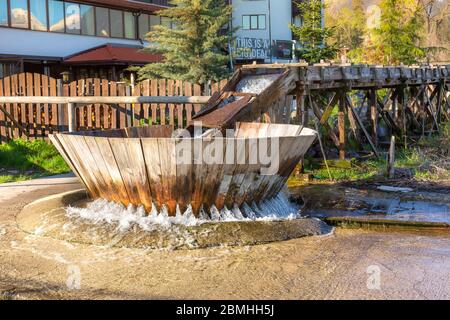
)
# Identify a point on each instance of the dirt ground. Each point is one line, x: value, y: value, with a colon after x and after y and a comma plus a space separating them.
x: 350, y: 264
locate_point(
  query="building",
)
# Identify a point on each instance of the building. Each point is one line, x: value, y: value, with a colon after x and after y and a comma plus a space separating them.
x: 263, y: 33
x: 102, y: 38
x: 88, y: 38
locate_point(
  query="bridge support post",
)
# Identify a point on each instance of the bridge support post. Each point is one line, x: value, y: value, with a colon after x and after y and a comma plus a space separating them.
x: 341, y: 126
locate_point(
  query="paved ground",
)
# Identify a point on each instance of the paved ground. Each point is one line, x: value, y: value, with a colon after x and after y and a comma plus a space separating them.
x: 349, y: 264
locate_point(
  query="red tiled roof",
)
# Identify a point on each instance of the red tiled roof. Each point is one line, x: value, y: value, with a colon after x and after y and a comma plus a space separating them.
x: 128, y: 4
x: 113, y: 54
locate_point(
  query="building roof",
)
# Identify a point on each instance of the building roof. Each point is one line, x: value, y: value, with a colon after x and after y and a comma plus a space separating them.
x: 113, y: 54
x: 130, y: 4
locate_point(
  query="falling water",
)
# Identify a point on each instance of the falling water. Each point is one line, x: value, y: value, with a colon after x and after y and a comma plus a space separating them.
x: 103, y: 211
x: 256, y: 84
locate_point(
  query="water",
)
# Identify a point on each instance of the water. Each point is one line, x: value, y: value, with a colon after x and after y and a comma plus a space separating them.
x: 333, y: 201
x: 102, y: 211
x: 256, y: 84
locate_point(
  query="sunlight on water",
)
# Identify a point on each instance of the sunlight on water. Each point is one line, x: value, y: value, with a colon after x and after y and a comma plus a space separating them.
x: 103, y: 211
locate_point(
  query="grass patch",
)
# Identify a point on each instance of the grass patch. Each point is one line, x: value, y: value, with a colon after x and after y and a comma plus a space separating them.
x: 22, y: 160
x: 426, y: 160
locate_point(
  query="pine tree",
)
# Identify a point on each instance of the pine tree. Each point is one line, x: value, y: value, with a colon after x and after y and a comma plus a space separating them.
x: 195, y: 49
x: 397, y: 39
x: 399, y: 32
x: 312, y: 36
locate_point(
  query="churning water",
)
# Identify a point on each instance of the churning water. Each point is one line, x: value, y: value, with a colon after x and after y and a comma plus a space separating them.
x: 256, y: 84
x: 102, y: 211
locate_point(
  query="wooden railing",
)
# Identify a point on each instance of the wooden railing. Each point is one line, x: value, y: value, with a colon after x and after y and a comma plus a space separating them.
x: 41, y: 112
x: 72, y: 103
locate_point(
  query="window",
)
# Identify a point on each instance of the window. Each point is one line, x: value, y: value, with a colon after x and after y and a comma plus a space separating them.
x: 72, y: 17
x: 77, y: 18
x: 102, y: 21
x: 130, y: 25
x: 87, y: 20
x: 154, y: 21
x: 261, y: 21
x: 254, y: 22
x: 143, y: 25
x: 116, y: 23
x: 38, y: 14
x: 19, y: 13
x: 3, y: 13
x: 56, y: 15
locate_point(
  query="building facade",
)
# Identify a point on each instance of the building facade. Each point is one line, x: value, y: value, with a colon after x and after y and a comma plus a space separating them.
x: 52, y: 36
x: 263, y: 32
x: 101, y: 38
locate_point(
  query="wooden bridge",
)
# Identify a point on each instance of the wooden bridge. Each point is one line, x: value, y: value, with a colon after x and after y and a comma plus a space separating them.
x: 415, y: 100
x: 409, y: 100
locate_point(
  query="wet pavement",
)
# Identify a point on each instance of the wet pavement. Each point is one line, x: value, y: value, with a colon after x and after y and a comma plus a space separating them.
x: 349, y: 264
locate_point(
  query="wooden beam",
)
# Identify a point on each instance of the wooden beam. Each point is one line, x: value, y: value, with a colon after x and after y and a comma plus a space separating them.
x: 361, y: 125
x: 341, y: 126
x: 329, y: 109
x: 106, y: 100
x: 318, y: 114
x: 373, y: 115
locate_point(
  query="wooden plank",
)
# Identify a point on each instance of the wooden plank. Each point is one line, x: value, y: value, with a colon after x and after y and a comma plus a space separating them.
x: 3, y: 131
x: 53, y: 120
x: 179, y: 107
x: 130, y: 161
x: 213, y: 161
x: 122, y: 107
x: 171, y: 106
x: 97, y: 106
x: 146, y: 92
x: 18, y: 110
x: 197, y: 92
x: 154, y: 106
x: 114, y: 108
x: 100, y: 167
x: 89, y: 122
x: 341, y: 127
x: 106, y: 108
x: 184, y: 171
x: 37, y: 91
x: 188, y: 91
x: 137, y: 107
x: 112, y: 169
x: 373, y: 110
x: 168, y: 172
x: 150, y: 148
x: 162, y: 92
x: 8, y: 107
x: 71, y: 148
x: 329, y: 109
x: 45, y: 106
x: 30, y: 106
x: 62, y: 151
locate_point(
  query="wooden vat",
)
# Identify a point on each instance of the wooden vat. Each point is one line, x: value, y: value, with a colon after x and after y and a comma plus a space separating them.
x: 145, y: 165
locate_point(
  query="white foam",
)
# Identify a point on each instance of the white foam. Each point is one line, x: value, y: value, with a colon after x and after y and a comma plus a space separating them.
x: 103, y: 211
x: 256, y: 84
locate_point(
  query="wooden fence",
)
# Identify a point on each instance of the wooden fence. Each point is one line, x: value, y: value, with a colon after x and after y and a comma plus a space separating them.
x: 37, y: 120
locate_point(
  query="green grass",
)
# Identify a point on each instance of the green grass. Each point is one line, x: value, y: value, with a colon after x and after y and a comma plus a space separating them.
x: 428, y: 159
x: 21, y: 160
